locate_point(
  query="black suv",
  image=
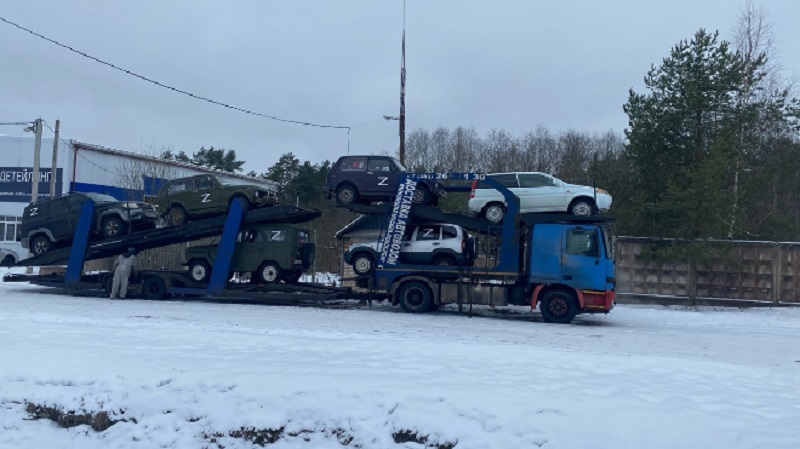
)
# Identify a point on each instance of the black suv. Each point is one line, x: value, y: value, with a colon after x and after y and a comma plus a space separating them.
x: 355, y: 179
x: 52, y: 222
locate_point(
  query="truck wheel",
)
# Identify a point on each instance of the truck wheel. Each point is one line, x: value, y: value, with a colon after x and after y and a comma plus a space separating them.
x: 363, y: 264
x: 176, y: 216
x: 154, y: 287
x: 199, y: 270
x: 415, y: 297
x: 346, y: 194
x: 270, y: 273
x: 494, y: 212
x: 582, y: 208
x: 558, y: 306
x: 8, y: 261
x: 40, y: 245
x: 113, y: 226
x: 421, y: 195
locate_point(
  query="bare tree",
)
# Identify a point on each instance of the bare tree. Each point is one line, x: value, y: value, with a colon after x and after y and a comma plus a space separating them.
x: 143, y: 176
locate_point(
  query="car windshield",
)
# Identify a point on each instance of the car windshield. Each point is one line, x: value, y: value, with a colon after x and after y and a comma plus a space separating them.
x: 100, y: 198
x: 398, y: 165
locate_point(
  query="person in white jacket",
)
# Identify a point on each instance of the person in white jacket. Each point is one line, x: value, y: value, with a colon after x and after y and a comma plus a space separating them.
x: 123, y: 267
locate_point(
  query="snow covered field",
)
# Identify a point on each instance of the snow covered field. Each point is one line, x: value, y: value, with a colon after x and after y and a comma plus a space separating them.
x: 198, y: 374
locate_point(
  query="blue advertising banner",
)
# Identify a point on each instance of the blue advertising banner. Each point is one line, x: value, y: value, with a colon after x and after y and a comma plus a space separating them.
x: 16, y: 183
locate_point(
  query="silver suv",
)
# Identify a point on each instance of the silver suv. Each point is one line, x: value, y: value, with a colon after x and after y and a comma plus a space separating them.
x: 423, y: 244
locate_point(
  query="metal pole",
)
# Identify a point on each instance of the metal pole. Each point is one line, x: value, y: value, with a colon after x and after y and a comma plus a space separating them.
x: 403, y: 94
x: 54, y: 165
x: 37, y: 149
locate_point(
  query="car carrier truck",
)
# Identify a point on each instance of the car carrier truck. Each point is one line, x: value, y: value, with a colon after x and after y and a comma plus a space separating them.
x: 562, y: 264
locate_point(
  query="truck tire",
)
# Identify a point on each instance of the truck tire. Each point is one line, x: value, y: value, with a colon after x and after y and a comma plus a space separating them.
x: 270, y: 273
x: 346, y: 194
x: 415, y: 297
x: 308, y: 254
x: 363, y: 263
x: 494, y: 212
x: 421, y: 195
x: 582, y: 207
x: 154, y: 288
x: 558, y: 306
x: 40, y: 244
x: 113, y: 226
x: 199, y: 270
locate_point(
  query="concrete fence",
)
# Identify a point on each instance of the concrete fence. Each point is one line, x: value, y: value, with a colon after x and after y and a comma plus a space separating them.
x: 764, y: 271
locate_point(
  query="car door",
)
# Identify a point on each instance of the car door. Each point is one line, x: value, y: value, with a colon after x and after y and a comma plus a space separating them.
x: 539, y: 193
x: 205, y: 193
x: 427, y: 239
x: 180, y: 191
x: 384, y: 176
x: 354, y: 170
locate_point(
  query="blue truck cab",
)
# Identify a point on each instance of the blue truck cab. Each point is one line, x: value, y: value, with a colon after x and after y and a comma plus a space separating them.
x: 571, y: 269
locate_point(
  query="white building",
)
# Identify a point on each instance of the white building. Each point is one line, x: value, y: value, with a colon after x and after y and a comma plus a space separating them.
x: 81, y: 167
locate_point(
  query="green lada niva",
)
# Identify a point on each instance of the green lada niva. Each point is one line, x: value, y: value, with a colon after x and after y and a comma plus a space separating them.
x: 202, y: 195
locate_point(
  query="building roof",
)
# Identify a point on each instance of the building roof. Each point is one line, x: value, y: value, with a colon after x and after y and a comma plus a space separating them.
x: 78, y: 145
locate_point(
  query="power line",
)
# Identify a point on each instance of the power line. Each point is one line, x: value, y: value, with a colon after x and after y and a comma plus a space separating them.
x: 174, y: 89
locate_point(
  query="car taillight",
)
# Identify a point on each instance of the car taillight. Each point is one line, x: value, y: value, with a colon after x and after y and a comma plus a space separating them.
x: 474, y: 185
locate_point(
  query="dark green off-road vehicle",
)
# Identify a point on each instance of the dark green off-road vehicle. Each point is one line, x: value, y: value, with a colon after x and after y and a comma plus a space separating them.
x: 270, y: 252
x: 183, y: 199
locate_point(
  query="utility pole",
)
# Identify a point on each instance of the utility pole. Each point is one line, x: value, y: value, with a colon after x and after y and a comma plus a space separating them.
x: 403, y: 94
x: 37, y: 150
x: 54, y: 165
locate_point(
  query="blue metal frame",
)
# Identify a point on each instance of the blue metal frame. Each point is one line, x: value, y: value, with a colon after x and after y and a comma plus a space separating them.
x: 227, y: 243
x: 79, y: 244
x: 399, y: 217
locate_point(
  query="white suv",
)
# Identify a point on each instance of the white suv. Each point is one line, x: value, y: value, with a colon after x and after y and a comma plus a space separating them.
x: 537, y: 192
x: 427, y: 244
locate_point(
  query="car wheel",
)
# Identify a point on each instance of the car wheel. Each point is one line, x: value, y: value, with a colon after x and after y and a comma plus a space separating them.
x: 558, y: 306
x: 582, y: 208
x: 445, y: 261
x: 40, y: 245
x: 8, y: 261
x: 363, y: 264
x: 494, y: 212
x: 421, y: 195
x: 113, y: 226
x: 415, y: 297
x: 199, y: 271
x: 270, y: 273
x: 293, y: 277
x: 154, y: 287
x: 176, y: 216
x: 346, y: 194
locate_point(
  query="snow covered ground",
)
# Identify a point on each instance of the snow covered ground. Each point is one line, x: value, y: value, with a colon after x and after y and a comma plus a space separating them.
x: 180, y: 374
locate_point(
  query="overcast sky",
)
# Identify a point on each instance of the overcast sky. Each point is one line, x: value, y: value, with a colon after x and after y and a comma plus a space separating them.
x: 488, y: 64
